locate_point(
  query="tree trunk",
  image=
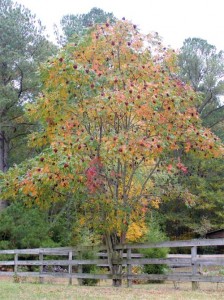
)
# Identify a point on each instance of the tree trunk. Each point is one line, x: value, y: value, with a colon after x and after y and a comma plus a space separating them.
x: 3, y: 161
x: 114, y: 258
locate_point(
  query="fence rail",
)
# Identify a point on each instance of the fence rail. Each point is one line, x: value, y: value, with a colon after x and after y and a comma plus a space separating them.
x: 71, y: 265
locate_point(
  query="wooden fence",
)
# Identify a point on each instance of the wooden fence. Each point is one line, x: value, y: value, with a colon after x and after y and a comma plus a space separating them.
x: 68, y: 264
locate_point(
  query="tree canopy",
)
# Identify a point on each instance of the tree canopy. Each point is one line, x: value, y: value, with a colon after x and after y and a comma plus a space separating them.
x: 74, y: 26
x: 112, y: 111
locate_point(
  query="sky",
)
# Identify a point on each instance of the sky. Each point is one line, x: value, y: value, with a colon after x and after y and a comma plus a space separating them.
x: 174, y: 20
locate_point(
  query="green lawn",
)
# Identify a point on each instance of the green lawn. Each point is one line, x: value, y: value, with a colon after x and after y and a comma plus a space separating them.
x: 31, y: 291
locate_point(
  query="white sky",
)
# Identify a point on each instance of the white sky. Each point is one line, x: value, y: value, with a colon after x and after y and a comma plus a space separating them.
x: 174, y: 20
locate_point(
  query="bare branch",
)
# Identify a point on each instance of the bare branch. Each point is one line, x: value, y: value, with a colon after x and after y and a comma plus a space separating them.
x: 21, y: 81
x: 212, y: 111
x: 207, y: 100
x: 148, y: 177
x: 216, y: 123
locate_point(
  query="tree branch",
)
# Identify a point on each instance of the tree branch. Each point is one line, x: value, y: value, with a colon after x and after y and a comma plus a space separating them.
x: 216, y: 123
x: 209, y: 98
x: 21, y: 81
x: 212, y: 111
x: 148, y: 177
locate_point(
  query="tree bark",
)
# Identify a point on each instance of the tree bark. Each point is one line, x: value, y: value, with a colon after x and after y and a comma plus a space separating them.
x: 4, y: 149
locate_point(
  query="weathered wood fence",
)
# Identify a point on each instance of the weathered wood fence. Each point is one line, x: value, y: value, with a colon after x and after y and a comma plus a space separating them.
x: 67, y: 262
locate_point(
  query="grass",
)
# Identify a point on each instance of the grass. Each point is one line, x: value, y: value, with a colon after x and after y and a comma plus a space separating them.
x: 58, y: 291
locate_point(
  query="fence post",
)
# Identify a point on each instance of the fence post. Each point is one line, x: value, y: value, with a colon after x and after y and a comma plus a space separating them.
x: 15, y: 267
x: 195, y: 284
x: 129, y: 268
x: 70, y: 267
x: 41, y: 268
x: 80, y: 280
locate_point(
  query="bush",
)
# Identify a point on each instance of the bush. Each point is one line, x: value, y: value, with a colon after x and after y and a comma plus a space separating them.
x: 155, y: 235
x: 91, y: 269
x: 155, y: 253
x: 23, y: 227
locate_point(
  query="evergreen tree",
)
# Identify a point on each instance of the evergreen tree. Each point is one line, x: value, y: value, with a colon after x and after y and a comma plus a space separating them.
x: 23, y: 47
x: 75, y: 26
x: 202, y: 66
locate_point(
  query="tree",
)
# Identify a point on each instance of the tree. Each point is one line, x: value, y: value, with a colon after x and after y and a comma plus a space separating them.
x: 199, y: 206
x: 112, y: 110
x: 23, y: 47
x: 202, y: 66
x: 192, y: 203
x: 75, y: 26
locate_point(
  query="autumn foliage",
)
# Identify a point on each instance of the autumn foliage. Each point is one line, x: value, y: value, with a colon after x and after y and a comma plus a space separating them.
x: 112, y: 112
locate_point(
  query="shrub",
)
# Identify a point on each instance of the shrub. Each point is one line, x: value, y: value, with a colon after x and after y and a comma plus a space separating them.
x: 23, y: 227
x: 91, y: 269
x: 155, y: 235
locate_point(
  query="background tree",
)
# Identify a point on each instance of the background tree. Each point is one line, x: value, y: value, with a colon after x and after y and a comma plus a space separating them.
x: 75, y: 26
x: 23, y: 47
x: 192, y: 203
x: 112, y: 111
x: 202, y: 66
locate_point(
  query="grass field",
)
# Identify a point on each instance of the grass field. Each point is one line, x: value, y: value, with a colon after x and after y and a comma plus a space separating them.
x: 58, y: 291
